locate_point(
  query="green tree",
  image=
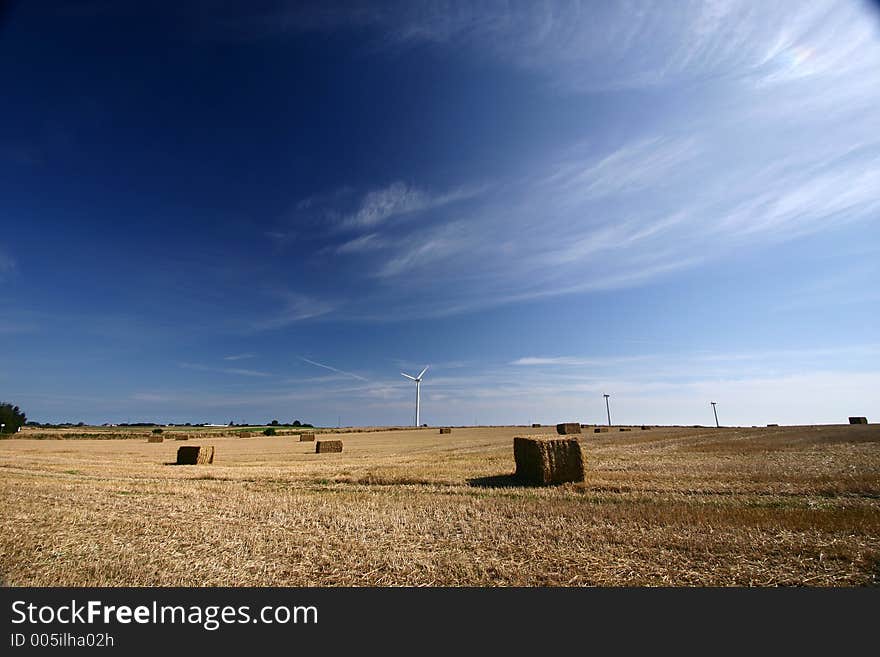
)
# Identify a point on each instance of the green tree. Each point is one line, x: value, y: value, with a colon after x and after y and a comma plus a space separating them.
x: 274, y: 423
x: 12, y: 417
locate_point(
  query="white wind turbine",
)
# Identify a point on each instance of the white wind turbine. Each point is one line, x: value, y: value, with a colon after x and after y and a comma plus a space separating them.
x: 418, y: 380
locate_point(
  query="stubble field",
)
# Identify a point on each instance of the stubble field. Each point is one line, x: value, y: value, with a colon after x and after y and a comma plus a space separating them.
x: 665, y: 506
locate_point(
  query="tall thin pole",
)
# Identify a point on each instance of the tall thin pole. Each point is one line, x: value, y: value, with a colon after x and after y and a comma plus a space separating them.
x: 715, y: 410
x: 608, y: 408
x: 418, y: 387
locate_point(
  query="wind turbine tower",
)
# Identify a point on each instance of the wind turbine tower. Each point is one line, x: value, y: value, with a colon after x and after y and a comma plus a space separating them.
x: 418, y: 380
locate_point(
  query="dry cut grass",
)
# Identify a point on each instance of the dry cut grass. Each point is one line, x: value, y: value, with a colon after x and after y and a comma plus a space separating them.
x: 668, y: 506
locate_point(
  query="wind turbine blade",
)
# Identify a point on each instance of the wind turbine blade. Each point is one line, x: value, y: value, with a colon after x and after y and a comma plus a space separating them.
x: 408, y: 376
x: 422, y: 372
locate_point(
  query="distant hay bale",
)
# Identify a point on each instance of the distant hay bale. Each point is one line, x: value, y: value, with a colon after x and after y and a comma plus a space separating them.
x: 324, y: 446
x: 858, y: 420
x: 601, y: 430
x: 155, y: 439
x: 772, y: 425
x: 536, y: 426
x: 645, y: 427
x: 181, y: 437
x: 306, y: 437
x: 548, y: 461
x: 566, y: 428
x: 445, y: 430
x: 195, y: 455
x: 625, y: 429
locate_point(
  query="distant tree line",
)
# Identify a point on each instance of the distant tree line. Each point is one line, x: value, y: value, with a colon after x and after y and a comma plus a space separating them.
x: 295, y: 423
x: 272, y: 423
x: 9, y: 411
x: 67, y: 425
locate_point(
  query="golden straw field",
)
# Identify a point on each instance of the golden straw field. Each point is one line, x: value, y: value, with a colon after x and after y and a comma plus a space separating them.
x: 664, y: 506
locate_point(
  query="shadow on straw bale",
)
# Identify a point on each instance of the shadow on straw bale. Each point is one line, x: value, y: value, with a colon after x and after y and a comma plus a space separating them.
x: 195, y: 455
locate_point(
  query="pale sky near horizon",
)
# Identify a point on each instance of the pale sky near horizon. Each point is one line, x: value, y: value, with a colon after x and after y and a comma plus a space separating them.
x: 242, y: 212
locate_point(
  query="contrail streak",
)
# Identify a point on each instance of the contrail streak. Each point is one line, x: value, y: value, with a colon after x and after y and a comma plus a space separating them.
x: 333, y: 369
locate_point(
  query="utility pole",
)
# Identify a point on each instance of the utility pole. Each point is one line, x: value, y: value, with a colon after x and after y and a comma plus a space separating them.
x: 717, y: 426
x: 608, y: 408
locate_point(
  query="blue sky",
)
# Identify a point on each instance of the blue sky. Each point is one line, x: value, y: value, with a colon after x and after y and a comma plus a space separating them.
x: 214, y: 212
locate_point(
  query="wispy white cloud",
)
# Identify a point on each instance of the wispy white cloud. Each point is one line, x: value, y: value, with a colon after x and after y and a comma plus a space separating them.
x: 755, y: 155
x: 239, y: 356
x: 585, y: 45
x: 798, y: 357
x: 399, y: 199
x: 282, y: 238
x: 638, y: 165
x: 382, y: 204
x: 803, y: 202
x: 424, y: 249
x: 368, y: 242
x: 613, y: 222
x: 572, y: 361
x: 292, y: 307
x: 152, y: 397
x: 224, y: 370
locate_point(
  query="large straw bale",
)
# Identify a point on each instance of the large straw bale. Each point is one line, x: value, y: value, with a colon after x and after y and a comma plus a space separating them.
x: 565, y: 428
x: 544, y: 461
x: 536, y: 426
x: 325, y: 446
x: 858, y: 420
x: 445, y: 430
x: 195, y: 455
x: 155, y: 439
x: 306, y: 437
x: 601, y: 430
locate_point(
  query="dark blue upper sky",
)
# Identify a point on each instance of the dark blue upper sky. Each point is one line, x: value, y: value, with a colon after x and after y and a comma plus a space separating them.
x: 218, y: 212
